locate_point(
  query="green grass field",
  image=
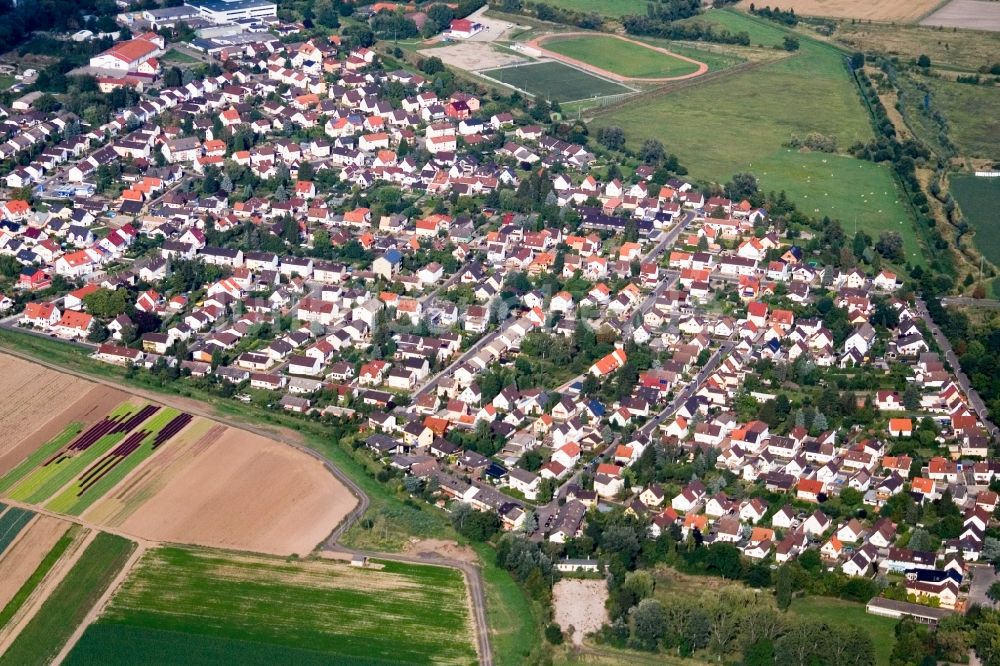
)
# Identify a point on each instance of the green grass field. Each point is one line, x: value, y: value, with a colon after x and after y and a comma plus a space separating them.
x: 61, y: 613
x: 179, y: 57
x: 11, y: 523
x: 603, y: 7
x: 762, y: 33
x: 744, y: 121
x: 978, y: 197
x: 74, y: 500
x: 974, y: 130
x: 621, y: 57
x: 840, y: 613
x: 43, y: 453
x: 555, y: 81
x: 401, y: 613
x: 37, y: 576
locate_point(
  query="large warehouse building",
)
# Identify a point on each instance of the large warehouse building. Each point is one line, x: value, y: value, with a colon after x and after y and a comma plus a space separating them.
x: 127, y: 56
x: 225, y: 11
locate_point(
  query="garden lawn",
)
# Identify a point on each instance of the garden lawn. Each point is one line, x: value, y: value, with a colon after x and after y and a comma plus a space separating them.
x: 401, y: 613
x: 42, y: 638
x: 840, y: 613
x: 555, y: 81
x: 978, y: 197
x: 621, y: 57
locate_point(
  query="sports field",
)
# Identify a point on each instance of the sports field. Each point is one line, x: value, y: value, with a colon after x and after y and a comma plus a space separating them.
x: 555, y: 81
x: 63, y: 610
x: 744, y: 122
x: 180, y: 605
x: 978, y: 197
x: 621, y: 57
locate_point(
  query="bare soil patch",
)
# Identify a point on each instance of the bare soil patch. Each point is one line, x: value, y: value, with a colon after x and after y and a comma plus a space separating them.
x: 579, y: 604
x: 903, y: 11
x: 971, y: 14
x: 23, y: 557
x: 440, y: 548
x: 473, y: 56
x: 92, y: 405
x: 245, y: 492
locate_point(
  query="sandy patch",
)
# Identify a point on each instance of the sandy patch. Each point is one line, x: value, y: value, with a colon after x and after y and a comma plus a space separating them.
x: 24, y: 555
x: 473, y: 56
x: 902, y: 11
x: 92, y: 405
x: 971, y: 14
x: 580, y: 604
x: 429, y: 549
x: 245, y: 492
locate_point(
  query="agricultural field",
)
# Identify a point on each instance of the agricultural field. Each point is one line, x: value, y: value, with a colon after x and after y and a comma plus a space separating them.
x: 809, y: 92
x: 977, y: 198
x: 12, y: 521
x: 895, y: 11
x: 620, y: 56
x: 968, y: 49
x: 25, y: 564
x: 154, y: 471
x: 62, y: 612
x: 969, y: 14
x: 184, y: 604
x: 555, y: 81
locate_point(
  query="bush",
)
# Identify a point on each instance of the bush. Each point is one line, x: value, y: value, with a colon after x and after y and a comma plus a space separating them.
x: 554, y: 634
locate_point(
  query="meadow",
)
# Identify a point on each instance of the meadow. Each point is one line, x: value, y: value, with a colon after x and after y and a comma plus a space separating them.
x: 613, y: 9
x: 63, y: 611
x: 744, y: 122
x: 967, y: 49
x: 402, y: 613
x: 978, y: 197
x: 974, y: 130
x: 620, y: 57
x: 555, y: 81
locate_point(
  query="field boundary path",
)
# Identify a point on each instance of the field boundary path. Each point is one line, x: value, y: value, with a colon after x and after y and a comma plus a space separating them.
x: 473, y: 576
x: 537, y: 42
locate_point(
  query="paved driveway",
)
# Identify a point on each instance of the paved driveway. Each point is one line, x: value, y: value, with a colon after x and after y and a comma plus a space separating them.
x: 982, y: 577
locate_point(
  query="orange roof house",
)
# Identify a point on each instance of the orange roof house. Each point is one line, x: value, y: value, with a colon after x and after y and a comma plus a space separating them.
x: 609, y: 363
x: 900, y: 427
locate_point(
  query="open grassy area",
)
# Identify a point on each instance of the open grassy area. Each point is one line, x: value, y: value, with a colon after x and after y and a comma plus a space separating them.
x: 621, y: 57
x: 744, y: 122
x: 60, y: 614
x: 178, y: 57
x: 11, y: 523
x: 962, y: 49
x: 614, y: 9
x: 36, y: 577
x: 840, y: 613
x: 402, y: 613
x: 978, y: 198
x: 973, y: 128
x: 762, y: 33
x: 555, y: 81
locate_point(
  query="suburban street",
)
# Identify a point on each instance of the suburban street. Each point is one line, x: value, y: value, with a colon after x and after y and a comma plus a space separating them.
x: 975, y: 402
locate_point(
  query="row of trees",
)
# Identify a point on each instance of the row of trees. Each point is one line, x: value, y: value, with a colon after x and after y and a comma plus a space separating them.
x: 694, y: 32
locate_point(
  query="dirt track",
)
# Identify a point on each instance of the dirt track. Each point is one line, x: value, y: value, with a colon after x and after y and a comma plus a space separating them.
x: 538, y: 41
